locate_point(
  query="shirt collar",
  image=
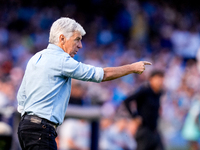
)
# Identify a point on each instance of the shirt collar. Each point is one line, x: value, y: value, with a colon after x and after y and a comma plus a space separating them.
x: 54, y: 47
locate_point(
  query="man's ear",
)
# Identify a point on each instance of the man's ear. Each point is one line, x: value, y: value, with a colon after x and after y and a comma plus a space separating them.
x: 62, y: 39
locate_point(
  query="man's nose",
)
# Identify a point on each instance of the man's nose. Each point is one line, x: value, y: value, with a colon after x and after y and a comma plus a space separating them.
x: 80, y: 45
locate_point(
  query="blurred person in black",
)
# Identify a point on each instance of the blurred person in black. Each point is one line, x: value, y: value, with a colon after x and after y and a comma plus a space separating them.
x: 147, y: 100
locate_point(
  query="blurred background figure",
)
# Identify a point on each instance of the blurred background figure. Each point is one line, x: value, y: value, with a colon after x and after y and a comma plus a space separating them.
x: 133, y: 125
x: 117, y: 137
x: 5, y: 136
x: 74, y: 134
x: 191, y: 127
x: 148, y: 108
x: 105, y: 124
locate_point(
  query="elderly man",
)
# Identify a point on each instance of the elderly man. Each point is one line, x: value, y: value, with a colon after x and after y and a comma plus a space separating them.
x: 45, y: 89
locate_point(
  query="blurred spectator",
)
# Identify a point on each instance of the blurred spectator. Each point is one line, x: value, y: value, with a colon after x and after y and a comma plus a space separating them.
x: 133, y: 126
x: 147, y: 100
x: 3, y: 99
x: 185, y: 43
x: 105, y: 124
x: 116, y: 137
x: 191, y: 127
x: 7, y: 91
x: 74, y: 134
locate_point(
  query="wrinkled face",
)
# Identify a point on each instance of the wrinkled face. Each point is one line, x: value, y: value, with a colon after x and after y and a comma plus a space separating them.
x: 72, y: 45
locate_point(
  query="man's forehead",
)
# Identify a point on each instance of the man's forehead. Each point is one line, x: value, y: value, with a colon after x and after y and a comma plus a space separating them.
x: 77, y: 34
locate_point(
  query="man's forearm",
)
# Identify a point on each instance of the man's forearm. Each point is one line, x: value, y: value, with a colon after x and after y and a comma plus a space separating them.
x: 111, y: 73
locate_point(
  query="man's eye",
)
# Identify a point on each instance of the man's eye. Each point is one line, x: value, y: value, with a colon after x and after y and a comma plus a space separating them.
x: 77, y: 39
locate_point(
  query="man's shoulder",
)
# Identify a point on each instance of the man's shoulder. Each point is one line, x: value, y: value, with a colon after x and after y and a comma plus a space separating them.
x: 53, y: 53
x: 144, y: 86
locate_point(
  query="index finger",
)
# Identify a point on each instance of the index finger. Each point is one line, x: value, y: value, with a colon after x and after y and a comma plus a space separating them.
x: 147, y: 63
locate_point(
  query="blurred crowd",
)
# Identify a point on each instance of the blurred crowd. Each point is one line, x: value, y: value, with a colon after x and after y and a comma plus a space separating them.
x: 117, y: 33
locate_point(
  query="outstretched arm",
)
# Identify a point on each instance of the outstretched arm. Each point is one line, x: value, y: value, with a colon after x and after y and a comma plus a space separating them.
x: 111, y: 73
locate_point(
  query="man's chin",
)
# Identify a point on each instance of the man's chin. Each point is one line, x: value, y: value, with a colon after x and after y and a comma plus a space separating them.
x: 72, y: 56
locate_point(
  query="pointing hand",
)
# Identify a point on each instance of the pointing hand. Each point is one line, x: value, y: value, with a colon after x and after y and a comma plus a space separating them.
x: 139, y: 67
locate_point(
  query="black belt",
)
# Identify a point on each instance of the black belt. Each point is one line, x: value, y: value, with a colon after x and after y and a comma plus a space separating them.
x: 38, y: 120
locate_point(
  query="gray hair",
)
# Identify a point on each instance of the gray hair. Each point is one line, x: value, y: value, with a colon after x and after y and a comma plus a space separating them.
x: 65, y: 26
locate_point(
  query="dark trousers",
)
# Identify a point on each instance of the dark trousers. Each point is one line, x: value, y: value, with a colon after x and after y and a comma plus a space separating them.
x: 33, y: 136
x: 148, y: 140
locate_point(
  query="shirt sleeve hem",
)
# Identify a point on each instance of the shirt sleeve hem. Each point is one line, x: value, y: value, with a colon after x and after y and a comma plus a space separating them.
x: 100, y: 74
